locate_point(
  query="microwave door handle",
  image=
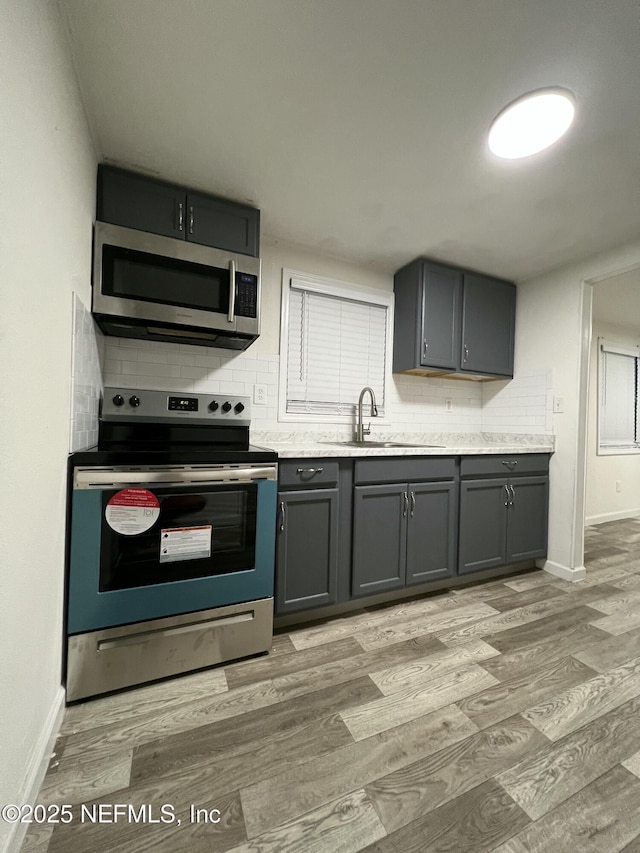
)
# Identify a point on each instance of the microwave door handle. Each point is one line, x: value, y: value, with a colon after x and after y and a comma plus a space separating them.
x: 232, y: 291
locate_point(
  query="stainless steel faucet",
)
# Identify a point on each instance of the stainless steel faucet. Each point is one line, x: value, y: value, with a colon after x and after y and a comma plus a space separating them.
x: 361, y: 430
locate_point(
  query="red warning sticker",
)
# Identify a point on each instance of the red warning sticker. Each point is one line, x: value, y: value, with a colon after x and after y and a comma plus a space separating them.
x: 132, y: 511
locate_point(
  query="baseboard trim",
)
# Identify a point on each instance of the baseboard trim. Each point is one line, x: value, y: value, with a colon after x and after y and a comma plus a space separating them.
x: 39, y: 761
x: 564, y: 572
x: 611, y: 516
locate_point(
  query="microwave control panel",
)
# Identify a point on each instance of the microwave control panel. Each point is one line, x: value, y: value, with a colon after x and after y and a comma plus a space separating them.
x: 246, y: 295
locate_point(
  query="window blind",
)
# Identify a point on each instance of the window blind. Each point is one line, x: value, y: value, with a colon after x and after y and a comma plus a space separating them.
x: 618, y: 396
x: 336, y: 345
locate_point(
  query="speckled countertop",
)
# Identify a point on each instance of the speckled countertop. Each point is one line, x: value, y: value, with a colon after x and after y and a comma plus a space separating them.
x: 295, y: 445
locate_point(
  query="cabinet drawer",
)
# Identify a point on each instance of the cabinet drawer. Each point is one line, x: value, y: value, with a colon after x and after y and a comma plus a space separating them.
x: 418, y: 468
x: 508, y: 465
x: 306, y: 473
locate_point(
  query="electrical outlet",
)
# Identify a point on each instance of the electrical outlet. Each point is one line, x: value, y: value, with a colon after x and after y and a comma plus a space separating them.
x: 558, y: 404
x: 448, y: 405
x: 260, y: 395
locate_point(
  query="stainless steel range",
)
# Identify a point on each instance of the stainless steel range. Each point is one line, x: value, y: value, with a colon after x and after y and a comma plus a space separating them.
x: 171, y: 541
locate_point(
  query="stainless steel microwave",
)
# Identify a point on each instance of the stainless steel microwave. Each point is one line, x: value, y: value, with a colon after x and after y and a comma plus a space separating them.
x: 159, y: 288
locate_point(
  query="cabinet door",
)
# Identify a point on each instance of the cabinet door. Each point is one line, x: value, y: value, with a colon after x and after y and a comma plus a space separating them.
x: 441, y: 333
x: 483, y: 525
x: 307, y: 549
x: 431, y: 531
x: 223, y: 224
x: 379, y: 538
x: 527, y: 518
x: 488, y: 323
x: 135, y: 201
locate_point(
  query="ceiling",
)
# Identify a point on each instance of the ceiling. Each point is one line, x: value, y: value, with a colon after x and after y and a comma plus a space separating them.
x: 358, y: 127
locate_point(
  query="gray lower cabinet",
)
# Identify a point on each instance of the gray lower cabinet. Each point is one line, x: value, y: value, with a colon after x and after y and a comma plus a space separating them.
x: 307, y: 549
x: 502, y: 519
x: 403, y: 533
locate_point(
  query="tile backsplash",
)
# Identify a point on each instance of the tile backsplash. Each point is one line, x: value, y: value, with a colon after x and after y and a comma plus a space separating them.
x: 86, y: 377
x: 522, y: 405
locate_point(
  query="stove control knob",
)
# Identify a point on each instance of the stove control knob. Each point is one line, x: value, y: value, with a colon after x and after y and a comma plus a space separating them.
x: 213, y: 406
x: 226, y: 407
x: 239, y: 407
x: 118, y: 400
x: 134, y: 401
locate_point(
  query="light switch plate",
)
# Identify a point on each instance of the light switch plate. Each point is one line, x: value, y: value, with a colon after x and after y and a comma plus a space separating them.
x: 558, y: 404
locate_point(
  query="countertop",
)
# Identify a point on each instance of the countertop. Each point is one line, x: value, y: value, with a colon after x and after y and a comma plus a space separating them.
x: 298, y: 445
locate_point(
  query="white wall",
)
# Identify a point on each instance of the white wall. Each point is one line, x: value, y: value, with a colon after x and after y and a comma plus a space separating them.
x: 415, y: 403
x: 603, y: 503
x: 47, y: 175
x: 553, y: 327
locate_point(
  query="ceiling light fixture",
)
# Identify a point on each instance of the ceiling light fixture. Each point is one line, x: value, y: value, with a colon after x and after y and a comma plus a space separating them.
x: 531, y: 123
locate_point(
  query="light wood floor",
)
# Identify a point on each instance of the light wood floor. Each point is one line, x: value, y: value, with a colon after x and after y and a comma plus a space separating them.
x: 503, y: 716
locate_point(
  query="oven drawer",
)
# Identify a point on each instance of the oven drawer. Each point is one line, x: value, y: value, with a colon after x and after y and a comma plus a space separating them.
x: 115, y: 658
x: 307, y: 473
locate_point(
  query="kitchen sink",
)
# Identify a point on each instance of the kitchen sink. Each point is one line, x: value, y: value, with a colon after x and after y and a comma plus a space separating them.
x: 381, y: 444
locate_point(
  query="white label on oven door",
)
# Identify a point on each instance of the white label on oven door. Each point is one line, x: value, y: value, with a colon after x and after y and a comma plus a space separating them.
x: 185, y: 543
x: 132, y: 511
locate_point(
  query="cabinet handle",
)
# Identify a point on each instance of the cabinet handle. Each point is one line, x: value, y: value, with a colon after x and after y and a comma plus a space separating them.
x: 413, y: 503
x: 232, y: 291
x: 466, y: 354
x: 510, y: 463
x: 190, y: 219
x: 181, y: 217
x: 283, y: 515
x: 506, y: 488
x: 309, y: 470
x: 425, y: 346
x: 513, y: 494
x: 406, y: 505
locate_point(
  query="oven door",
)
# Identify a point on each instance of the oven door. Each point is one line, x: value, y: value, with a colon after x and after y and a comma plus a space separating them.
x: 152, y: 543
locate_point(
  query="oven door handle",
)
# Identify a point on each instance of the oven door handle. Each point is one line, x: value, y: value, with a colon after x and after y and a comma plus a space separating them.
x: 86, y: 478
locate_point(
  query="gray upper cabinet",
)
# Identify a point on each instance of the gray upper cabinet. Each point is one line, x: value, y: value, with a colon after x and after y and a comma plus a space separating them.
x: 146, y: 204
x: 449, y: 320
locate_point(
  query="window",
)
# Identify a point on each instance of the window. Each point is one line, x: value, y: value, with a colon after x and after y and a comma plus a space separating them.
x: 618, y: 422
x: 334, y: 340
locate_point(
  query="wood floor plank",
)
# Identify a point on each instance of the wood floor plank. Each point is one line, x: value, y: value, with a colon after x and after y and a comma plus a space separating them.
x: 532, y: 580
x: 248, y: 672
x: 348, y: 625
x: 37, y: 838
x: 573, y: 639
x: 127, y: 836
x: 555, y: 628
x: 572, y: 708
x: 473, y: 823
x: 395, y: 678
x: 623, y: 620
x: 314, y: 783
x: 383, y: 635
x: 336, y: 672
x: 282, y: 725
x: 520, y: 616
x: 416, y: 789
x: 510, y: 697
x: 543, y: 780
x: 595, y: 576
x: 632, y: 763
x: 126, y: 734
x: 84, y: 778
x: 144, y: 700
x: 610, y: 652
x: 529, y: 596
x: 627, y: 599
x: 345, y: 824
x: 601, y: 818
x: 408, y: 704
